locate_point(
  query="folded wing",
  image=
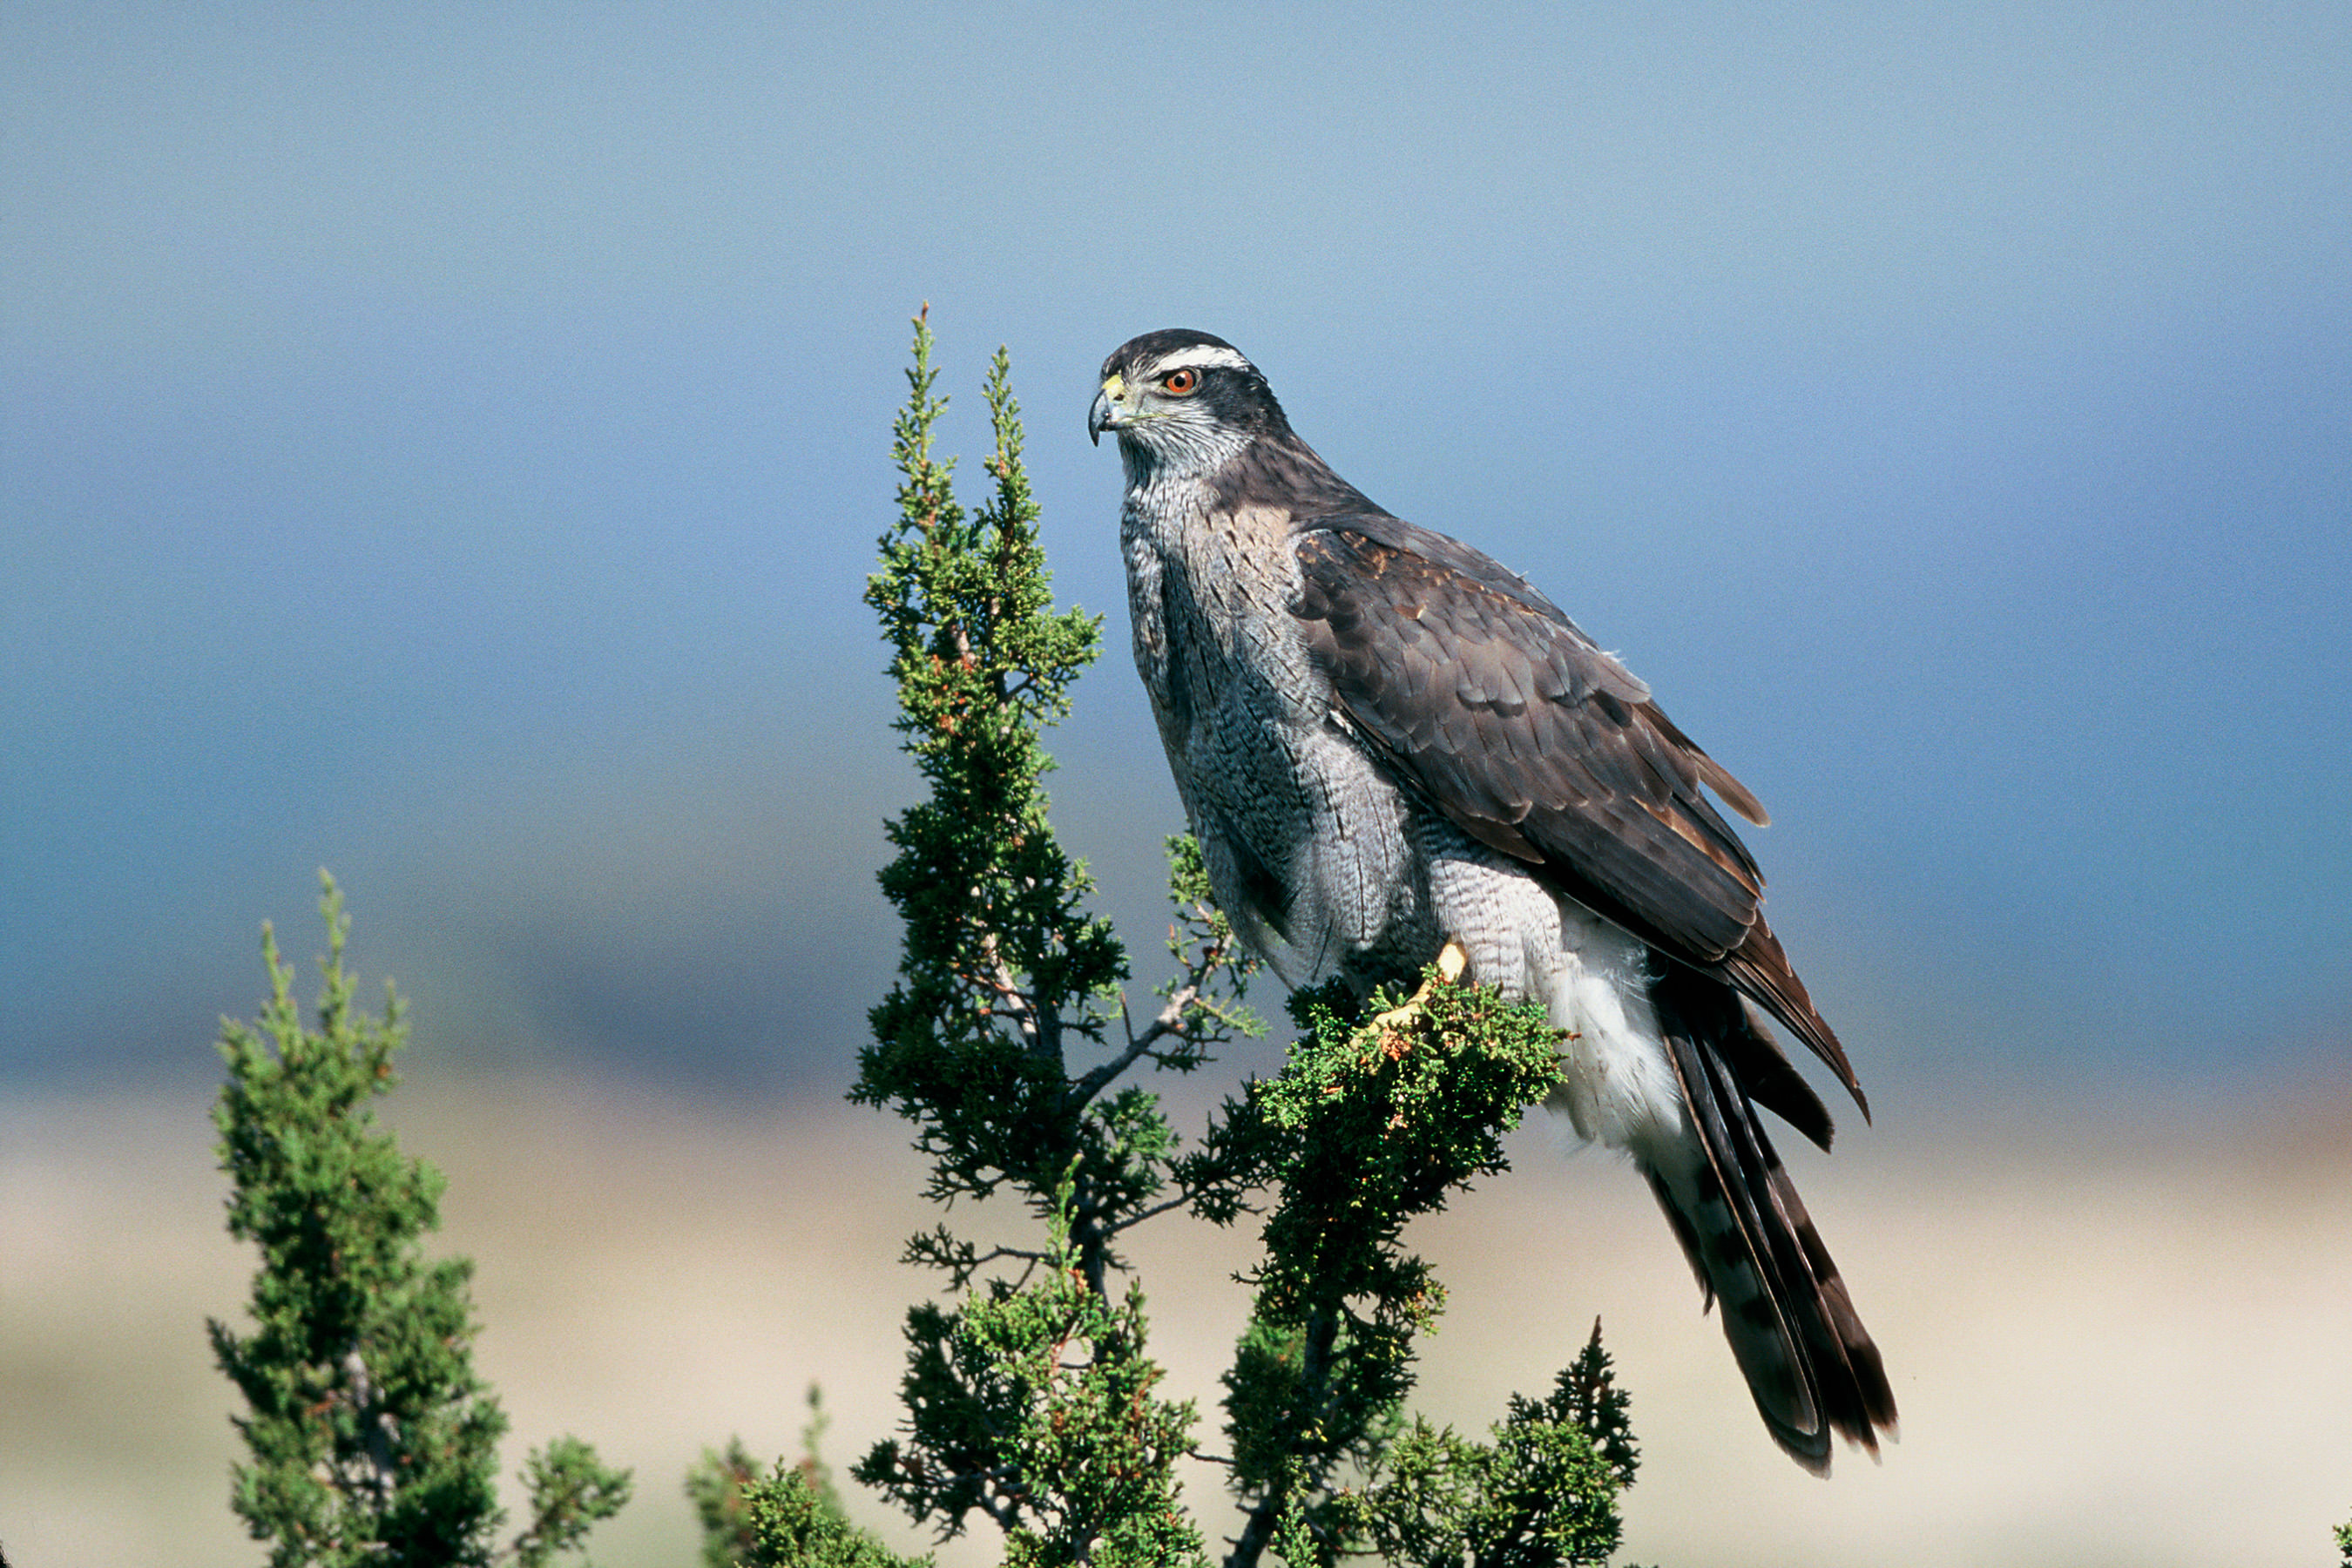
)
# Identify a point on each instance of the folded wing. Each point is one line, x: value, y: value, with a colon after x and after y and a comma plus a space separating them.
x: 1488, y: 700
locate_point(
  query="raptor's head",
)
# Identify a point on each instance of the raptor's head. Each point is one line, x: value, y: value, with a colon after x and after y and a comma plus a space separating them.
x: 1182, y: 397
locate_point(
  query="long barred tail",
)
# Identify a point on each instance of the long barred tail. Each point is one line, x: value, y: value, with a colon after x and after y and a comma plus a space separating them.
x: 1809, y: 1362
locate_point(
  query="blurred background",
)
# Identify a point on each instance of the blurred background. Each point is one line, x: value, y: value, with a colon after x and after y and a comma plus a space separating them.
x: 447, y: 444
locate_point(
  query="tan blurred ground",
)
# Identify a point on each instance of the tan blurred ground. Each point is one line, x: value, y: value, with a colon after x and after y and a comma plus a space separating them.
x: 2113, y: 1346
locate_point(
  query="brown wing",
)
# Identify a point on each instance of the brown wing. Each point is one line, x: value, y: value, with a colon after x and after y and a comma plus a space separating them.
x: 1507, y: 717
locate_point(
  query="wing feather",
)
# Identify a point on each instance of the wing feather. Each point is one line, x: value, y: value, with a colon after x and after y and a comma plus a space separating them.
x: 1491, y: 702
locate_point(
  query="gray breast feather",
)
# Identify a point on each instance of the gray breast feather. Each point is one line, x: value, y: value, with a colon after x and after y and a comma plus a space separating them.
x: 1304, y: 833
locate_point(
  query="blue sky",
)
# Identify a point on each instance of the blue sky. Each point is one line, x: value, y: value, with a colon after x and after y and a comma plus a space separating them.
x: 447, y: 443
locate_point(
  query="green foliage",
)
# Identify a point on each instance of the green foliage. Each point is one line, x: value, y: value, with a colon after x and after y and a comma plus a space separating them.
x: 1541, y: 1494
x: 569, y: 1491
x: 788, y: 1517
x: 812, y: 1468
x: 998, y: 951
x: 1375, y: 1119
x: 790, y: 1525
x: 2343, y: 1542
x: 370, y: 1438
x: 716, y: 1486
x: 1049, y: 1384
x: 724, y: 1486
x: 1031, y: 1400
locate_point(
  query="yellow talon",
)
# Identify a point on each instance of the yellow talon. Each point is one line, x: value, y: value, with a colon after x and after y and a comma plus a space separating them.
x: 1451, y: 961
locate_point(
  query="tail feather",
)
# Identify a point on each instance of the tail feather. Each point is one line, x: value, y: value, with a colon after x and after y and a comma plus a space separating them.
x: 1809, y: 1363
x: 1760, y: 969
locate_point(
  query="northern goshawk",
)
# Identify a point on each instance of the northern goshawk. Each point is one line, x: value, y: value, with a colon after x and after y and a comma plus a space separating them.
x: 1385, y: 741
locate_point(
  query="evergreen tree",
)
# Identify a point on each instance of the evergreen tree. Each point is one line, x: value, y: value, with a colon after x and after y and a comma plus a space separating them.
x: 372, y: 1440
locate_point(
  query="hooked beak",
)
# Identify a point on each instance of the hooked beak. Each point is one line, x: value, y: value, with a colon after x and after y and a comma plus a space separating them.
x: 1106, y: 414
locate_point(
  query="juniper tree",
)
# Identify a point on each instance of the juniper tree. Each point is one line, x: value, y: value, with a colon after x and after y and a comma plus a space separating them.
x: 370, y: 1438
x: 1031, y: 1397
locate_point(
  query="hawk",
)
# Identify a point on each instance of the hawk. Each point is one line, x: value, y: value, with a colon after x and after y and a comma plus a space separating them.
x: 1386, y: 741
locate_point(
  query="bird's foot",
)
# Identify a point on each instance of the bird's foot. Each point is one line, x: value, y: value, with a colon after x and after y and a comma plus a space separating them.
x: 1451, y: 961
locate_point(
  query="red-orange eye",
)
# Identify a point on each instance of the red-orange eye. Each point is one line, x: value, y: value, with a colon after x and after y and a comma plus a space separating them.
x: 1181, y: 382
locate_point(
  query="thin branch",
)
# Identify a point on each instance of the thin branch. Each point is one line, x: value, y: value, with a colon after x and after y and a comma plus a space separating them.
x: 1169, y: 1021
x: 1181, y: 1200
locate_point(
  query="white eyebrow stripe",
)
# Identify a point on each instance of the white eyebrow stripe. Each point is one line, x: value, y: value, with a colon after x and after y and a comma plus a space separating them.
x: 1201, y: 356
